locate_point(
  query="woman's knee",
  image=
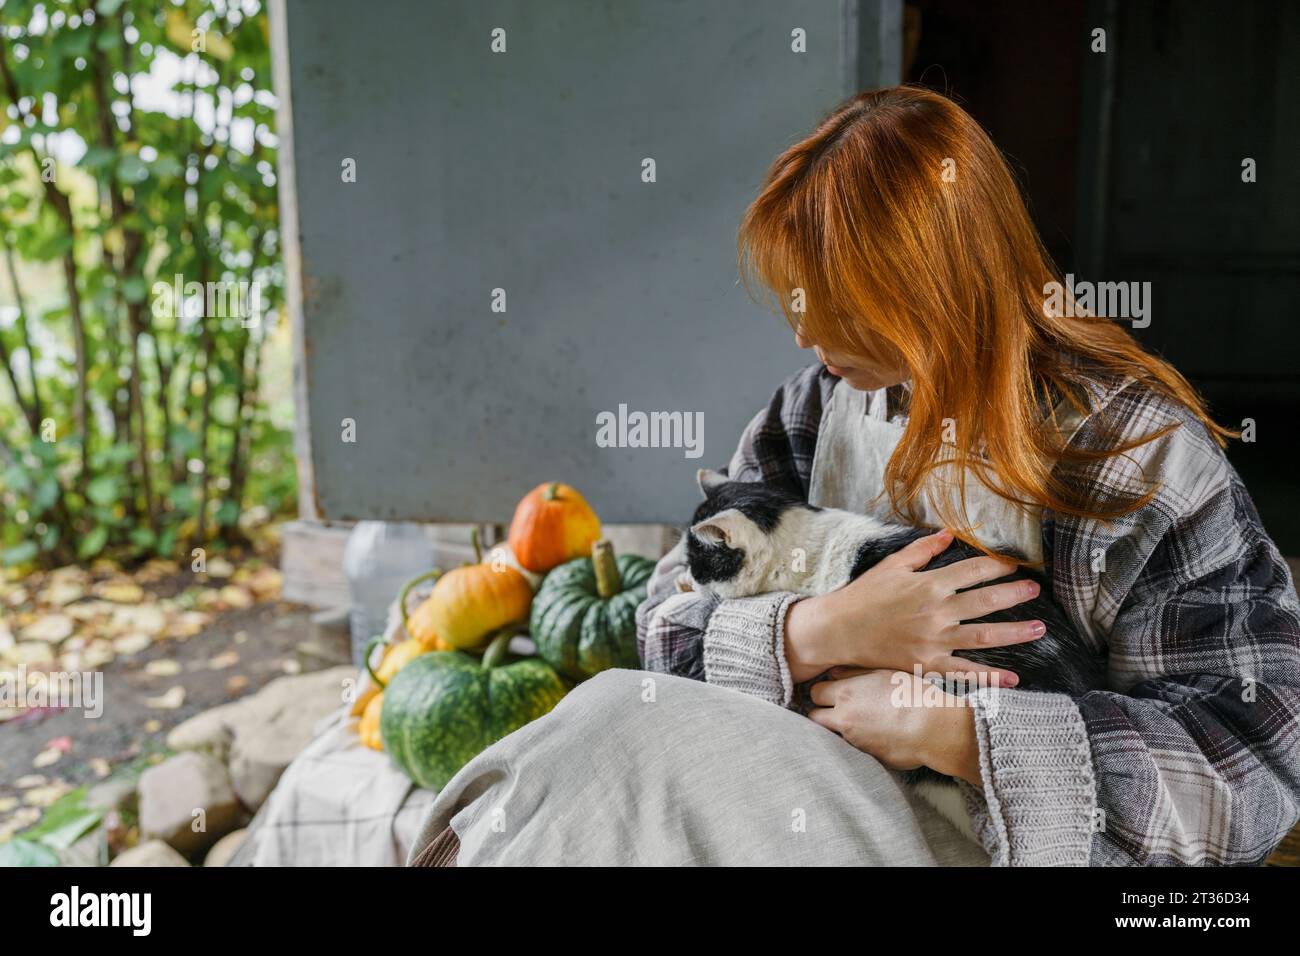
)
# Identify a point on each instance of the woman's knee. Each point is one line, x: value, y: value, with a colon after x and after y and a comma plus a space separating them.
x: 618, y: 690
x: 629, y: 705
x: 613, y: 696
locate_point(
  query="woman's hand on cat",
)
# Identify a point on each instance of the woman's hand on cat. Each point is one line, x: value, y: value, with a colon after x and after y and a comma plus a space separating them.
x: 898, y: 615
x: 901, y: 720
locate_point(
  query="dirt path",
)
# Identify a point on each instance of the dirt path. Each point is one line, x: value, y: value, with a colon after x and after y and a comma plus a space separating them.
x: 236, y: 655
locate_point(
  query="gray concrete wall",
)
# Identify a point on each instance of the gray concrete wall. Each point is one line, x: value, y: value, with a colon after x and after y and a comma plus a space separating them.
x: 522, y: 171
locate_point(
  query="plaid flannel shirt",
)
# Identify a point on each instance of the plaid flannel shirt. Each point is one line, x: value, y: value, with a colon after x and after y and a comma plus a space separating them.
x: 1192, y: 754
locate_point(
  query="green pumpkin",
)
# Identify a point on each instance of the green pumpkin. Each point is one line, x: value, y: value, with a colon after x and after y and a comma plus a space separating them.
x: 444, y: 708
x: 583, y: 619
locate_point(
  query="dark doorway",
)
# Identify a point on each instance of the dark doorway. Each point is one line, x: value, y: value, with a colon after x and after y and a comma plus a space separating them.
x: 1132, y: 162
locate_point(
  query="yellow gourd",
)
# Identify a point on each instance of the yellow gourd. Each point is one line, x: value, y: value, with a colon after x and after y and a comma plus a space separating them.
x: 396, y: 656
x: 368, y: 729
x: 419, y: 625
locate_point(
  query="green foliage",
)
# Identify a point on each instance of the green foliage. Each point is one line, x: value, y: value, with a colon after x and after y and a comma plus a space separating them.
x: 21, y: 852
x: 129, y: 426
x: 66, y: 821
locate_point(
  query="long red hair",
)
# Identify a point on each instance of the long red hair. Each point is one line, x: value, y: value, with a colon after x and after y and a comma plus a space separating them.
x: 900, y: 221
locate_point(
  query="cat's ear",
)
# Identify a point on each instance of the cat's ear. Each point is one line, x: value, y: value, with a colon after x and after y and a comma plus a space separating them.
x: 721, y: 528
x: 710, y: 480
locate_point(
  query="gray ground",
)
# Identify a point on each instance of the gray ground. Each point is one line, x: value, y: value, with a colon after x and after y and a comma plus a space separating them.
x: 265, y: 637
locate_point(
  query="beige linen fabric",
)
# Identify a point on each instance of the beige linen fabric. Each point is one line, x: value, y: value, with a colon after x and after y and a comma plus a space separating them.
x: 636, y: 768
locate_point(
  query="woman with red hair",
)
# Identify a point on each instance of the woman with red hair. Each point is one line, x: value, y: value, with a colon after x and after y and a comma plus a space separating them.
x: 957, y: 388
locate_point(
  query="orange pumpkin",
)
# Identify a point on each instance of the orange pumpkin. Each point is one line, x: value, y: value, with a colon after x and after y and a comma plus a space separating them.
x: 552, y: 524
x: 470, y: 603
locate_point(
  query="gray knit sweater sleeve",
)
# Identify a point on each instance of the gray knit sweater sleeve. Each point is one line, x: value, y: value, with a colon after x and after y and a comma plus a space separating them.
x: 1038, y: 802
x: 737, y: 644
x: 744, y: 647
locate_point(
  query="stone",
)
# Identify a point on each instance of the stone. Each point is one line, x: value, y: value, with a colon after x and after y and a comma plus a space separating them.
x: 119, y: 794
x: 207, y: 732
x: 89, y: 850
x: 259, y: 735
x: 272, y: 726
x: 224, y: 849
x: 172, y: 792
x: 150, y: 853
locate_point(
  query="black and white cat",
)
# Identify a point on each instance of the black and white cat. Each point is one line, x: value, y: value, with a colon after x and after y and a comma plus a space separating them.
x: 750, y: 538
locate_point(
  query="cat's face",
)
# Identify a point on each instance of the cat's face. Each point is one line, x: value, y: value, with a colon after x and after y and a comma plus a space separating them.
x: 729, y: 546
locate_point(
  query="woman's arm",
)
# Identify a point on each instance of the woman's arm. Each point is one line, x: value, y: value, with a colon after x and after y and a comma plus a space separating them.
x: 1193, y: 756
x: 739, y: 643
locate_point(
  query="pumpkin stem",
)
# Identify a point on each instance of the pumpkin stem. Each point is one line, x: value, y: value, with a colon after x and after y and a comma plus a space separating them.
x: 496, y: 651
x: 478, y: 545
x: 370, y: 650
x: 552, y: 491
x: 433, y: 575
x: 608, y: 581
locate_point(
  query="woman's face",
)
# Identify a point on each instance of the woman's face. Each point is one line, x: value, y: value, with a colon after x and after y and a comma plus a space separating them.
x: 863, y: 372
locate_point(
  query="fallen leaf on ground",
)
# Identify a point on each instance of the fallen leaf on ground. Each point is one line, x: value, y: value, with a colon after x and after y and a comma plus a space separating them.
x: 101, y: 767
x: 61, y: 593
x: 168, y: 701
x: 266, y: 583
x: 152, y: 726
x: 31, y: 653
x: 47, y: 757
x: 131, y: 644
x: 155, y: 569
x: 16, y: 596
x: 44, y: 796
x: 219, y: 567
x: 223, y: 660
x: 236, y: 684
x: 21, y: 820
x: 91, y: 610
x: 189, y: 623
x: 233, y: 595
x: 99, y: 653
x: 142, y: 619
x: 162, y: 668
x: 51, y: 628
x: 209, y: 600
x: 120, y: 592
